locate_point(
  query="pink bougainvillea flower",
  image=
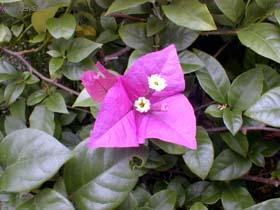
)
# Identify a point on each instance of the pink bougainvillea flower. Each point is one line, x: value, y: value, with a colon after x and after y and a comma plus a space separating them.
x: 146, y: 102
x: 97, y: 83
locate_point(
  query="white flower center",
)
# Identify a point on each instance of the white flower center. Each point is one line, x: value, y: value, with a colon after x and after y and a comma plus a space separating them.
x: 156, y: 82
x: 142, y: 104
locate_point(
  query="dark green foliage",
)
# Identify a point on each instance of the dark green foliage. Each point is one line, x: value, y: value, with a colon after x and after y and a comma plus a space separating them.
x: 230, y: 53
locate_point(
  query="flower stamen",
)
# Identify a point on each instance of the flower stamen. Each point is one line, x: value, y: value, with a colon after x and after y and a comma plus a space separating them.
x: 156, y: 82
x: 142, y: 104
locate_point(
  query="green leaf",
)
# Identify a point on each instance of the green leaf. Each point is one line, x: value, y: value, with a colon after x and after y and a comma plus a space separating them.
x: 200, y: 160
x: 197, y: 15
x: 267, y: 109
x: 190, y: 62
x: 38, y: 38
x: 266, y: 4
x: 232, y: 120
x: 246, y: 89
x: 91, y: 174
x: 169, y: 147
x: 214, y: 111
x: 17, y: 109
x: 178, y: 185
x: 236, y: 198
x: 42, y: 119
x: 17, y: 29
x: 271, y: 77
x: 81, y: 48
x: 108, y: 23
x: 55, y: 64
x: 213, y: 78
x: 84, y: 100
x: 12, y: 124
x: 36, y: 97
x: 119, y: 5
x: 7, y: 71
x: 39, y: 18
x: 154, y: 25
x: 47, y: 199
x: 56, y: 103
x: 198, y: 206
x: 62, y: 27
x: 237, y: 143
x: 9, y: 1
x: 263, y: 38
x: 228, y: 166
x: 13, y: 91
x: 272, y: 204
x: 129, y: 203
x: 211, y: 194
x: 5, y: 33
x: 134, y: 35
x: 74, y: 71
x: 163, y: 200
x: 107, y: 36
x: 233, y: 9
x: 29, y: 157
x: 180, y: 36
x: 54, y: 53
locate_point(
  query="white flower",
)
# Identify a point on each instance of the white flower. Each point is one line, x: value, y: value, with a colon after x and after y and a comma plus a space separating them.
x: 142, y: 104
x: 156, y: 82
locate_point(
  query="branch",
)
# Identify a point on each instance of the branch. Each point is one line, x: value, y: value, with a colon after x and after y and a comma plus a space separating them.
x: 244, y: 129
x: 221, y: 49
x: 219, y: 32
x: 129, y: 17
x: 268, y: 181
x: 117, y: 54
x: 30, y: 68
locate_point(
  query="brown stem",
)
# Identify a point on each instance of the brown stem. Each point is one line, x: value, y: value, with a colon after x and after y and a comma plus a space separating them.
x: 78, y: 109
x: 117, y: 54
x: 204, y: 106
x: 219, y: 32
x: 37, y: 73
x: 129, y: 17
x: 268, y: 181
x: 244, y: 129
x: 221, y: 49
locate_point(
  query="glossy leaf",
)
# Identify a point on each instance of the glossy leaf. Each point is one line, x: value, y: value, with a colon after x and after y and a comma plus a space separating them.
x: 213, y: 78
x: 236, y: 198
x: 263, y: 38
x: 272, y: 204
x: 119, y: 5
x: 267, y: 109
x: 39, y: 18
x: 13, y: 91
x: 246, y: 89
x: 200, y: 160
x: 190, y: 62
x: 101, y: 178
x: 56, y: 103
x: 47, y: 199
x: 198, y: 206
x: 134, y: 35
x: 163, y: 200
x: 29, y: 157
x: 229, y: 165
x: 80, y: 49
x: 237, y: 143
x: 233, y: 9
x: 197, y: 14
x: 42, y: 119
x: 232, y: 120
x: 62, y: 27
x: 84, y: 100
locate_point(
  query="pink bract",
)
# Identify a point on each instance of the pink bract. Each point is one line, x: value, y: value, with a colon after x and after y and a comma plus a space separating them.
x: 119, y: 124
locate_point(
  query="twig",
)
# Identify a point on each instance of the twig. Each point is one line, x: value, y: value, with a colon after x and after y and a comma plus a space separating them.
x: 268, y: 181
x: 219, y: 32
x: 129, y: 17
x: 244, y: 129
x: 204, y: 106
x: 78, y: 109
x: 117, y: 54
x: 37, y: 73
x: 221, y: 49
